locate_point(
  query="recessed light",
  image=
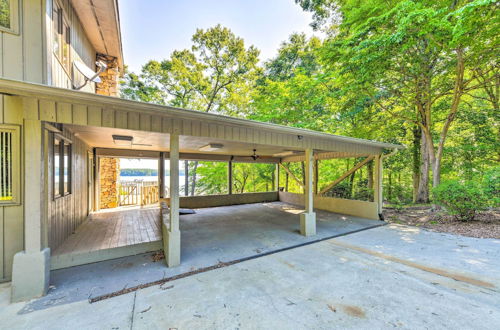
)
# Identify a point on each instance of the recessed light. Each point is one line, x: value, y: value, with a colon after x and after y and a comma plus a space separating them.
x: 122, y: 140
x: 211, y: 147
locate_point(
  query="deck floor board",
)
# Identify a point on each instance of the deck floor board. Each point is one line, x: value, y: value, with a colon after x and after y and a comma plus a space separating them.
x: 111, y: 229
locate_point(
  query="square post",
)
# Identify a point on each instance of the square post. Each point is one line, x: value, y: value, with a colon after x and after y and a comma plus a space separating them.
x: 161, y: 175
x: 277, y: 178
x: 172, y: 234
x: 230, y: 177
x: 31, y: 267
x: 377, y: 187
x: 308, y: 217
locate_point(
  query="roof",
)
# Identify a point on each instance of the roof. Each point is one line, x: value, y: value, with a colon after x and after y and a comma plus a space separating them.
x: 101, y: 21
x: 20, y: 88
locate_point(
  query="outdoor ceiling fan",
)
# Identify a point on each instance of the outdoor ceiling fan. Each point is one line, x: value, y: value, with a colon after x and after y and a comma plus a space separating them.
x: 255, y: 156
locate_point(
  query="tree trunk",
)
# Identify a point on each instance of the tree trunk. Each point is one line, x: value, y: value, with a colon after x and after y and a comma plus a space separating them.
x: 417, y: 136
x: 286, y: 181
x: 389, y: 188
x: 423, y: 185
x: 370, y: 174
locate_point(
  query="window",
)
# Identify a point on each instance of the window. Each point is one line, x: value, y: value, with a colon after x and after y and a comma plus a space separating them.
x: 62, y: 166
x: 61, y: 36
x: 8, y: 15
x: 9, y: 164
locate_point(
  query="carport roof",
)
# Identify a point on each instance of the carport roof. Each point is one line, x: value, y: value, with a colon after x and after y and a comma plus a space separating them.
x: 19, y: 88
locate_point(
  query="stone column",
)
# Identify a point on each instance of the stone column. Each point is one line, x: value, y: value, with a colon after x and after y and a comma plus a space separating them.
x: 109, y: 78
x: 109, y: 175
x: 308, y: 218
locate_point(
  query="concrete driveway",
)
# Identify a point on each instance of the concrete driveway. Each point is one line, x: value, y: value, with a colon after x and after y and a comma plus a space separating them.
x: 391, y: 276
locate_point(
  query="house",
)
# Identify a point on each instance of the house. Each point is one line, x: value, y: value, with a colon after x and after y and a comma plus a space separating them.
x: 57, y: 127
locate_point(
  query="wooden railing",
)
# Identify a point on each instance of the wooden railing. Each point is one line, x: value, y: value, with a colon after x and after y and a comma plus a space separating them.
x: 138, y: 193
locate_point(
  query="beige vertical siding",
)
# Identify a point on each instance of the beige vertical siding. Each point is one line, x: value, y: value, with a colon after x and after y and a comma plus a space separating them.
x: 66, y: 213
x: 81, y: 50
x: 22, y: 54
x: 11, y: 216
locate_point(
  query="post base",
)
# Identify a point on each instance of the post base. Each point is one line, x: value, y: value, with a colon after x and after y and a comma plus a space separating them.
x: 30, y: 275
x: 308, y: 224
x: 172, y: 248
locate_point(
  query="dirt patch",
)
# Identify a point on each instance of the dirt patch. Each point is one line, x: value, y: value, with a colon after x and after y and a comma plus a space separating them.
x: 158, y: 256
x: 354, y: 311
x: 485, y: 225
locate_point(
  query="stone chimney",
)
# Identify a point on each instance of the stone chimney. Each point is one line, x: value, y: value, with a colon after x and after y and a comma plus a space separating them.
x: 109, y: 78
x: 109, y: 174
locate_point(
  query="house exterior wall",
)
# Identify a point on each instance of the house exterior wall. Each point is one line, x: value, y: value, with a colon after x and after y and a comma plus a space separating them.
x: 22, y: 52
x: 81, y: 49
x: 11, y: 215
x: 66, y: 213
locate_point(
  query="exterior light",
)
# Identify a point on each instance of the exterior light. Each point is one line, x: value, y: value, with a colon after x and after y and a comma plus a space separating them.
x: 123, y: 140
x: 211, y: 147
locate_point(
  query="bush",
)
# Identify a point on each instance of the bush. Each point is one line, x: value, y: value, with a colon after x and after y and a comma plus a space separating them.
x: 462, y: 199
x: 491, y: 186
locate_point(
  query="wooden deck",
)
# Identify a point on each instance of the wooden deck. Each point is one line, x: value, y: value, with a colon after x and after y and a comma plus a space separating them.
x: 111, y: 234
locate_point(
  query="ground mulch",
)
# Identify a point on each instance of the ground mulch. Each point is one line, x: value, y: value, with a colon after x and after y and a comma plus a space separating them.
x: 485, y: 225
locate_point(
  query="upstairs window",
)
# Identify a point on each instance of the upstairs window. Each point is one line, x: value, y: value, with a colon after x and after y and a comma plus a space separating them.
x: 9, y: 164
x: 61, y: 36
x: 62, y: 166
x: 9, y: 15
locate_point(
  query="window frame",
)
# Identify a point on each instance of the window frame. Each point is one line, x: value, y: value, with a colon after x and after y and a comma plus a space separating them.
x: 16, y: 169
x: 63, y: 142
x: 62, y: 29
x: 14, y: 18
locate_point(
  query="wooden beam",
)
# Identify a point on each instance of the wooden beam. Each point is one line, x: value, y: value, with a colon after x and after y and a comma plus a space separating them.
x: 292, y: 175
x: 346, y: 174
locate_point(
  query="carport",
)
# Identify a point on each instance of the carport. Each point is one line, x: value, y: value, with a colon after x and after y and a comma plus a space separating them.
x: 90, y: 126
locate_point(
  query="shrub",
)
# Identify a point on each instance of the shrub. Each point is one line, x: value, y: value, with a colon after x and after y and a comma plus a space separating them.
x: 462, y: 199
x: 491, y: 186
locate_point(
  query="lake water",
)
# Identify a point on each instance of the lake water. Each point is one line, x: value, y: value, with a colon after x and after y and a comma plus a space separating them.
x: 150, y: 179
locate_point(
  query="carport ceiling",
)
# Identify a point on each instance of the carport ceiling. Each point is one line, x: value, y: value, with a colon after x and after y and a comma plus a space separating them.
x: 99, y: 137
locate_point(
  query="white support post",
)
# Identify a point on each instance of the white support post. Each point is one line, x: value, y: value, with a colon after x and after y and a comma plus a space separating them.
x: 230, y: 177
x: 172, y: 236
x: 277, y: 178
x: 308, y: 218
x: 31, y: 267
x: 377, y: 187
x: 161, y: 175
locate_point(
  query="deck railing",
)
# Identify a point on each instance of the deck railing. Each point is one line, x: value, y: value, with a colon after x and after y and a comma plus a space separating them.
x: 138, y: 193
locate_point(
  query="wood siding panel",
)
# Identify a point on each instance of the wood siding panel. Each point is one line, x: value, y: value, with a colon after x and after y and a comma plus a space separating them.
x: 64, y: 113
x: 94, y: 116
x: 48, y: 110
x: 80, y: 114
x: 66, y: 213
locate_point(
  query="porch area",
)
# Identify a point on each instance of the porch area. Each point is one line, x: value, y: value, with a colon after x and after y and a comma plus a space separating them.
x: 210, y: 236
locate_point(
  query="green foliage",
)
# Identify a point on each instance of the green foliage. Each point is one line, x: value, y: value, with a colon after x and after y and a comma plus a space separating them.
x: 491, y: 186
x: 462, y: 199
x: 212, y: 178
x: 5, y: 13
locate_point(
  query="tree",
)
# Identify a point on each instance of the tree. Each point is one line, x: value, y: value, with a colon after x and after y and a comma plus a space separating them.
x: 215, y: 75
x: 415, y: 61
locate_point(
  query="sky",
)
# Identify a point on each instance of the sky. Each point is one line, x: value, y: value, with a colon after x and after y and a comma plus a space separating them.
x: 152, y: 29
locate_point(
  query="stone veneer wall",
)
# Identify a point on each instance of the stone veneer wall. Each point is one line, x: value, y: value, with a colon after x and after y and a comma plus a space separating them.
x: 109, y: 78
x: 109, y: 175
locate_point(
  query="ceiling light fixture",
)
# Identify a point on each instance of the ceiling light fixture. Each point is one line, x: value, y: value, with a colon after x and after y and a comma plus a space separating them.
x: 286, y: 153
x: 123, y: 140
x: 212, y: 147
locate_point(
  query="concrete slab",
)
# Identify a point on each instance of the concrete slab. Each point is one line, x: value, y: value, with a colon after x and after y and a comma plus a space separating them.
x: 321, y: 286
x: 209, y: 237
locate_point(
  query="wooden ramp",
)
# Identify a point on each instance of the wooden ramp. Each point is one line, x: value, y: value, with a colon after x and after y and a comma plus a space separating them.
x: 111, y: 234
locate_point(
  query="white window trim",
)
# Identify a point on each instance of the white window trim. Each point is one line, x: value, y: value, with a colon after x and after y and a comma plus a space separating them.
x: 14, y: 18
x: 16, y: 163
